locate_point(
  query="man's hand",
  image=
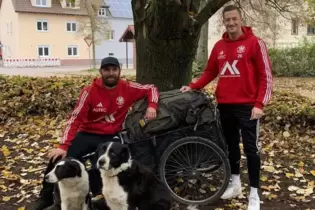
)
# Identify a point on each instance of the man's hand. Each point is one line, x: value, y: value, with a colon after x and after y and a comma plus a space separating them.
x: 55, y: 153
x: 256, y: 113
x: 151, y: 113
x: 185, y: 89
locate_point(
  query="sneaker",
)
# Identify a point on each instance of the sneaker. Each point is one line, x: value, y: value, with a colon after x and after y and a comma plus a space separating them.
x: 39, y: 204
x: 98, y: 203
x: 253, y: 203
x: 232, y: 191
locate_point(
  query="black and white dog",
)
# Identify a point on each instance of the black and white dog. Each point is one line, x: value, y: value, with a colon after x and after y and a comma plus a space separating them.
x: 128, y: 185
x: 71, y: 185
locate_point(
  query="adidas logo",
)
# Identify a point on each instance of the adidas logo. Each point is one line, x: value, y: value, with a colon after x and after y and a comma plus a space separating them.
x: 99, y: 105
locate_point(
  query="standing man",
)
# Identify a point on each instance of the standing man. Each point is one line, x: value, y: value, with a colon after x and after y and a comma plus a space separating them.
x: 241, y: 61
x: 98, y: 116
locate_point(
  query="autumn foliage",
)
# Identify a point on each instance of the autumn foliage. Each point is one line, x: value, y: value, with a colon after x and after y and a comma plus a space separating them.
x: 33, y: 113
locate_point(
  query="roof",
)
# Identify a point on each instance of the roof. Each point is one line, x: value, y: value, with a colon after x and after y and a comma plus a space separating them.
x: 128, y: 35
x: 26, y: 6
x: 120, y: 8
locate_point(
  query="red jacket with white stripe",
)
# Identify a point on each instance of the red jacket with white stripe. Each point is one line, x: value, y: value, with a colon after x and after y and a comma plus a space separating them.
x: 102, y: 111
x: 244, y: 70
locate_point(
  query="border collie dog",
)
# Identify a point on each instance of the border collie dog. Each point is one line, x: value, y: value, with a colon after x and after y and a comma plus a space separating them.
x: 71, y: 185
x: 128, y: 185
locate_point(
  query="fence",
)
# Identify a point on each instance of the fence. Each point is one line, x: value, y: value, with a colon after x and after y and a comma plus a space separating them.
x: 36, y: 62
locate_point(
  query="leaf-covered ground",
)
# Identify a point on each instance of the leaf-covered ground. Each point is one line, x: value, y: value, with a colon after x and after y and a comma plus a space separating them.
x: 32, y: 114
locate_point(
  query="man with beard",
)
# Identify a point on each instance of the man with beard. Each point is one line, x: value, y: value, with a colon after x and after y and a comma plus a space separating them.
x: 98, y: 116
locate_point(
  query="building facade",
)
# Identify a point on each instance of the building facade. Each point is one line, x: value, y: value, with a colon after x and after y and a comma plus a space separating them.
x: 49, y: 32
x: 119, y: 16
x: 284, y: 32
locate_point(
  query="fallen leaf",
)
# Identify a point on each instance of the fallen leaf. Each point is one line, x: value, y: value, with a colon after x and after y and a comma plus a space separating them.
x: 5, y: 151
x: 289, y: 175
x: 286, y: 134
x: 6, y: 198
x: 263, y: 178
x: 298, y: 174
x: 270, y: 169
x: 301, y: 164
x: 292, y: 188
x: 3, y: 188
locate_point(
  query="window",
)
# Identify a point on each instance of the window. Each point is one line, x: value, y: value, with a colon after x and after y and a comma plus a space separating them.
x: 70, y: 4
x: 43, y: 51
x: 310, y: 29
x: 71, y: 26
x: 102, y: 12
x: 109, y: 35
x: 42, y: 25
x: 72, y: 50
x: 294, y: 26
x: 9, y: 28
x: 42, y: 3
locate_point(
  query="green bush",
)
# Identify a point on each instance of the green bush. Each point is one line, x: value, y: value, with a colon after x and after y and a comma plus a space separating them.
x: 197, y: 69
x: 294, y: 62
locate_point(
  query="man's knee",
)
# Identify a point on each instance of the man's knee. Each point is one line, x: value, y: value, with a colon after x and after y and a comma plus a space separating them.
x: 252, y: 153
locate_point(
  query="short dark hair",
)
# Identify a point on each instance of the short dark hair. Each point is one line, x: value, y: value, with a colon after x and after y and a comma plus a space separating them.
x: 231, y: 8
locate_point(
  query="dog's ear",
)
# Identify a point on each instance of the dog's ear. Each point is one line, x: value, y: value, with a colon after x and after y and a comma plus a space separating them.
x: 125, y: 153
x: 75, y: 166
x: 97, y: 151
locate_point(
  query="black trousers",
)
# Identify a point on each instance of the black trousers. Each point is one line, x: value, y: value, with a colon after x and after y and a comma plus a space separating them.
x: 83, y: 144
x: 236, y: 123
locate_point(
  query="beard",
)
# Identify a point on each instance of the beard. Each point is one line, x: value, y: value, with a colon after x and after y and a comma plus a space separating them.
x: 110, y: 81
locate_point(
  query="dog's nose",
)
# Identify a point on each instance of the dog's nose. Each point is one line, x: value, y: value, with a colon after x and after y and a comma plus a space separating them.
x: 101, y: 162
x: 47, y: 177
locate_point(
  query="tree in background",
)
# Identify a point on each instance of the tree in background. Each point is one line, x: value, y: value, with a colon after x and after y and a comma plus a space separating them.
x: 202, y: 50
x: 167, y: 34
x: 310, y: 11
x: 93, y: 27
x: 269, y: 17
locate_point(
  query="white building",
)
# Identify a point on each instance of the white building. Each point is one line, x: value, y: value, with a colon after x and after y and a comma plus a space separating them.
x: 286, y: 33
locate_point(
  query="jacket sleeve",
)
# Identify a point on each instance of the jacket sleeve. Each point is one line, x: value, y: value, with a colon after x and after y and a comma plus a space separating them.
x: 77, y: 117
x: 263, y: 66
x: 209, y: 74
x: 138, y: 91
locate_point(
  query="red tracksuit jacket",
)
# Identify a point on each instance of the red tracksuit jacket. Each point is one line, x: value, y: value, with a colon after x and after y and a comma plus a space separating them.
x: 244, y: 70
x: 103, y: 111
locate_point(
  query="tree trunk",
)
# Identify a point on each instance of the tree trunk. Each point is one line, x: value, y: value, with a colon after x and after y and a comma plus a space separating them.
x: 93, y: 49
x: 202, y: 50
x: 167, y: 34
x: 92, y: 15
x: 166, y: 64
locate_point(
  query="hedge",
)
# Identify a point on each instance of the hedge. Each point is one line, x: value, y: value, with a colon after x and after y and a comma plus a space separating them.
x: 296, y: 61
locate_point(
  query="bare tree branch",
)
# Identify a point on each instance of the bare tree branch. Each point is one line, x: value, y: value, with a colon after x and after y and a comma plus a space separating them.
x: 138, y: 6
x: 92, y: 26
x: 266, y: 15
x: 210, y: 9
